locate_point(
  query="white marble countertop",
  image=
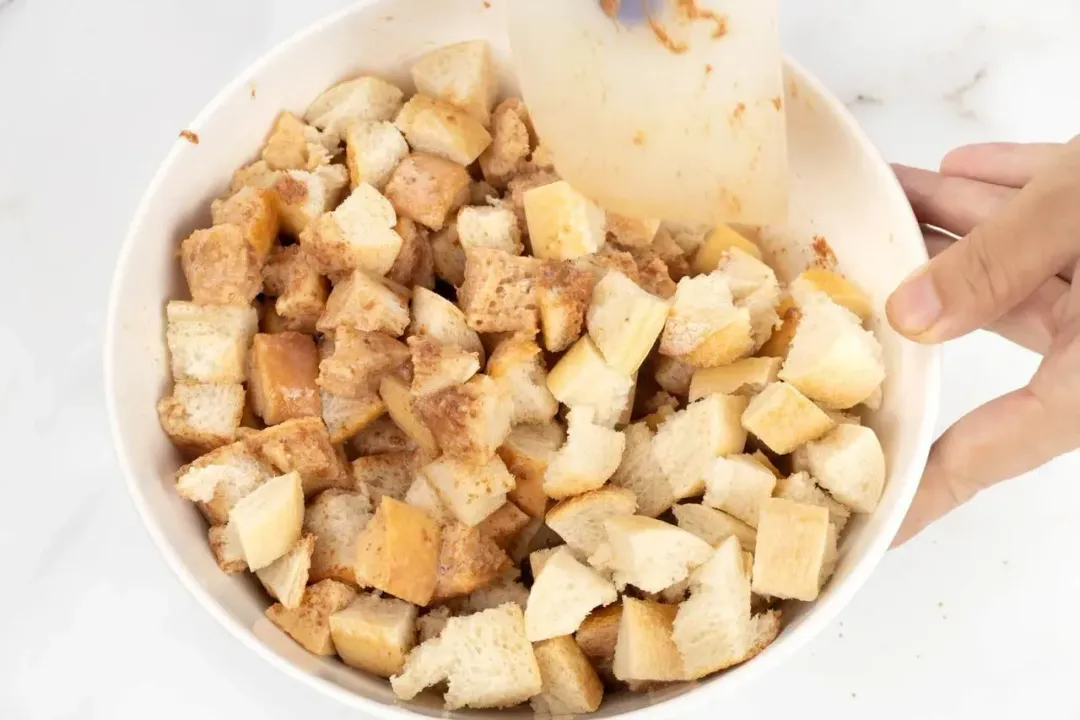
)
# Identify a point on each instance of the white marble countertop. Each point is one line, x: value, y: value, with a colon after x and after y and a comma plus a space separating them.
x: 960, y: 623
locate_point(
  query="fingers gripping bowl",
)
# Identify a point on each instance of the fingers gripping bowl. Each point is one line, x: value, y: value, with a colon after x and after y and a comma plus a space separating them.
x: 843, y: 198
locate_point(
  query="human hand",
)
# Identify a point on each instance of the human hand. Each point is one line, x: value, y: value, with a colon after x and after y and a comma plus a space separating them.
x: 1016, y: 209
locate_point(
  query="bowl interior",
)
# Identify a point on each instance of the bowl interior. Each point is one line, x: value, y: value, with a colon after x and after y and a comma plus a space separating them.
x: 841, y: 191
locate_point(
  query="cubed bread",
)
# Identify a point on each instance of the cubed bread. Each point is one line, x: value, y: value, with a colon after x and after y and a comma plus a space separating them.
x: 347, y: 416
x: 608, y: 259
x: 790, y: 551
x: 448, y: 256
x: 295, y: 145
x: 704, y: 327
x: 225, y: 546
x: 468, y: 421
x: 653, y: 274
x: 359, y: 234
x: 302, y: 196
x: 800, y: 487
x: 366, y: 303
x: 766, y: 463
x: 468, y: 560
x: 438, y: 318
x: 499, y: 292
x: 538, y: 558
x: 743, y: 377
x: 563, y: 223
x: 471, y: 492
x: 562, y: 596
x: 631, y: 232
x: 433, y: 622
x: 506, y: 588
x: 309, y: 624
x: 221, y: 478
x: 373, y: 148
x: 583, y: 379
x: 832, y: 359
x: 209, y: 343
x: 363, y: 98
x: 779, y: 343
x: 284, y: 368
x: 256, y: 175
x: 357, y: 362
x: 381, y: 436
x: 644, y: 648
x: 415, y: 263
x: 286, y: 577
x: 842, y: 291
x: 598, y: 635
x: 570, y: 683
x: 504, y: 525
x: 589, y: 458
x: 713, y: 526
x: 462, y: 75
x: 402, y: 410
x: 651, y: 554
x: 517, y: 364
x: 303, y: 445
x: 580, y: 520
x: 437, y: 367
x: 563, y: 293
x: 199, y: 417
x: 253, y: 211
x: 717, y: 243
x: 486, y: 657
x: 738, y: 485
x: 374, y: 633
x: 848, y: 462
x: 387, y: 474
x: 290, y: 276
x: 527, y: 452
x: 511, y: 143
x: 428, y: 188
x: 624, y: 321
x: 268, y: 519
x: 336, y: 518
x: 220, y: 266
x: 754, y: 287
x: 783, y: 418
x: 674, y: 376
x: 436, y: 127
x: 640, y: 472
x: 687, y: 443
x: 490, y: 227
x: 398, y: 552
x: 422, y: 496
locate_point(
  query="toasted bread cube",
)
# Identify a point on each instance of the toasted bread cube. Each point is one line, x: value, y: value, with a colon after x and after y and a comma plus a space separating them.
x: 527, y: 452
x: 562, y: 596
x: 754, y: 287
x: 433, y: 126
x: 433, y: 622
x: 283, y: 372
x: 221, y: 478
x: 486, y: 658
x: 373, y: 148
x: 563, y: 294
x: 437, y: 367
x: 704, y: 328
x: 422, y: 496
x: 295, y: 145
x: 303, y: 445
x: 653, y: 274
x: 523, y: 183
x: 624, y: 321
x: 644, y: 649
x: 650, y: 554
x: 783, y: 418
x: 848, y: 462
x: 631, y: 232
x: 398, y: 552
x: 832, y: 359
x: 607, y: 260
x: 518, y: 365
x: 359, y: 234
x: 303, y: 197
x: 790, y: 549
x: 506, y: 588
x: 309, y: 624
x: 415, y: 263
x: 687, y: 444
x: 499, y: 292
x: 504, y: 525
x: 358, y: 361
x: 291, y: 277
x: 220, y: 266
x: 801, y: 488
x: 538, y: 558
x: 597, y: 637
x: 687, y: 237
x: 717, y: 243
x: 471, y: 492
x: 336, y: 518
x: 438, y: 318
x: 461, y: 75
x: 257, y: 175
x: 448, y: 255
x: 582, y: 378
x: 199, y: 417
x: 468, y: 560
x: 399, y: 405
x: 571, y: 685
x: 346, y: 416
x: 428, y: 189
x: 268, y: 519
x: 590, y: 456
x: 674, y: 376
x: 387, y: 474
x: 252, y: 210
x: 713, y: 526
x: 468, y: 421
x: 743, y: 377
x: 763, y: 460
x: 738, y: 485
x: 640, y: 472
x: 580, y: 520
x: 364, y: 98
x: 667, y: 247
x: 489, y: 227
x: 363, y: 302
x: 286, y: 577
x: 382, y: 436
x: 374, y: 633
x: 779, y: 343
x: 272, y: 322
x: 511, y: 143
x: 563, y: 223
x: 226, y: 548
x: 836, y: 287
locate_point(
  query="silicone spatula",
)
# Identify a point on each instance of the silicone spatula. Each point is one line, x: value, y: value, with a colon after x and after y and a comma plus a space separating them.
x: 668, y: 109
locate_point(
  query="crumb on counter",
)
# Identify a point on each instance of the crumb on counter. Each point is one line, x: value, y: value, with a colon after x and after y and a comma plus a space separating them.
x: 190, y: 136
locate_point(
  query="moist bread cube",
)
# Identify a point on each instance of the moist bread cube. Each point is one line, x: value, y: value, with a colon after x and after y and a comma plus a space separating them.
x: 309, y: 624
x: 563, y: 293
x: 199, y: 417
x: 717, y: 243
x: 517, y: 364
x: 571, y: 685
x: 221, y: 478
x: 252, y: 210
x: 848, y: 462
x: 783, y: 418
x: 363, y: 98
x: 490, y: 227
x: 303, y: 445
x: 499, y: 292
x: 743, y: 377
x: 468, y: 560
x: 284, y: 368
x: 511, y: 143
x: 435, y: 127
x: 687, y: 443
x: 644, y: 649
x: 437, y: 366
x: 220, y: 266
x: 590, y: 456
x: 286, y: 577
x: 373, y: 148
x: 358, y: 361
x: 504, y: 525
x: 738, y: 485
x: 801, y: 488
x: 363, y: 302
x: 382, y: 436
x: 704, y: 327
x: 580, y: 520
x: 640, y: 472
x: 436, y: 317
x: 346, y: 416
x: 398, y: 552
x: 209, y: 343
x: 295, y: 145
x: 468, y: 421
x: 714, y: 526
x: 374, y: 633
x: 225, y: 546
x: 624, y: 321
x: 527, y: 452
x: 291, y: 277
x: 302, y: 197
x: 268, y: 519
x: 399, y: 405
x: 359, y: 234
x: 428, y: 189
x: 471, y: 492
x: 842, y: 291
x: 336, y: 517
x: 462, y: 75
x: 651, y: 554
x: 387, y: 474
x: 563, y: 223
x: 631, y: 232
x: 582, y: 378
x: 448, y: 255
x: 562, y: 596
x: 791, y: 546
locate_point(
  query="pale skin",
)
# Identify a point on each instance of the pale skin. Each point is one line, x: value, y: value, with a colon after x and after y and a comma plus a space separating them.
x: 1016, y: 210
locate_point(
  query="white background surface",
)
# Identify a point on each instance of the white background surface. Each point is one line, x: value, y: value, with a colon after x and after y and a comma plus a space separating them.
x: 970, y: 619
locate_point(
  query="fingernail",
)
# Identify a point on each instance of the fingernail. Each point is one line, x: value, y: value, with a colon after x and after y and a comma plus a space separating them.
x: 915, y: 306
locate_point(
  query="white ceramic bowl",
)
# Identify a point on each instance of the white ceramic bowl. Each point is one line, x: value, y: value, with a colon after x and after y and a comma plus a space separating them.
x: 842, y: 191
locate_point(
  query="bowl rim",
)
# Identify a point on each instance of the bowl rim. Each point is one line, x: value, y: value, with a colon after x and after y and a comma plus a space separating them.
x: 824, y: 611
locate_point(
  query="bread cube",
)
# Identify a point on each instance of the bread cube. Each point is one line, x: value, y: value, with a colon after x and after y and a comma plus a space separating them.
x: 597, y: 637
x: 221, y: 478
x: 468, y: 421
x: 562, y: 596
x: 467, y: 560
x: 687, y: 444
x: 291, y: 277
x: 422, y: 496
x: 790, y: 549
x: 511, y: 143
x: 631, y: 232
x: 489, y: 227
x: 199, y: 417
x: 518, y: 185
x: 435, y: 127
x: 779, y: 343
x: 590, y: 456
x: 650, y: 554
x: 743, y: 377
x: 346, y: 416
x: 415, y: 263
x: 225, y: 546
x: 358, y: 361
x: 499, y: 292
x: 436, y: 317
x: 674, y: 376
x: 783, y: 418
x: 644, y: 649
x: 363, y: 98
x: 527, y: 452
x: 286, y: 577
x: 303, y: 196
x: 309, y: 624
x: 283, y: 372
x: 256, y: 175
x: 358, y: 234
x: 704, y: 328
x: 295, y: 145
x: 364, y: 302
x: 640, y: 472
x: 387, y: 474
x: 303, y: 445
x: 673, y: 255
x: 268, y: 519
x: 437, y: 367
x: 504, y: 525
x: 563, y: 295
x: 398, y: 552
x: 428, y: 189
x: 373, y: 148
x: 517, y: 364
x: 801, y: 488
x: 738, y: 485
x: 462, y: 75
x: 624, y: 321
x: 220, y: 266
x: 433, y: 622
x: 471, y: 492
x: 717, y: 243
x: 563, y: 223
x: 374, y: 633
x: 832, y: 359
x: 580, y: 520
x: 382, y: 436
x: 848, y: 462
x: 571, y: 685
x: 335, y: 518
x: 399, y: 405
x: 538, y: 558
x: 582, y: 378
x: 653, y: 274
x: 806, y: 288
x: 506, y: 588
x: 448, y: 255
x: 713, y: 526
x: 252, y: 210
x: 754, y: 287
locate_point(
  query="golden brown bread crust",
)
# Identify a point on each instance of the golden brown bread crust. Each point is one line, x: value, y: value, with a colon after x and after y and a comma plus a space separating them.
x: 564, y: 289
x: 309, y: 624
x: 609, y: 259
x: 499, y: 292
x: 303, y: 445
x: 510, y: 143
x: 282, y: 377
x: 503, y: 525
x: 359, y: 361
x: 467, y: 560
x: 220, y: 266
x: 523, y: 183
x: 398, y: 552
x: 427, y: 188
x: 254, y: 211
x: 448, y: 255
x: 460, y: 418
x: 190, y: 441
x: 653, y: 274
x: 415, y: 262
x: 381, y: 436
